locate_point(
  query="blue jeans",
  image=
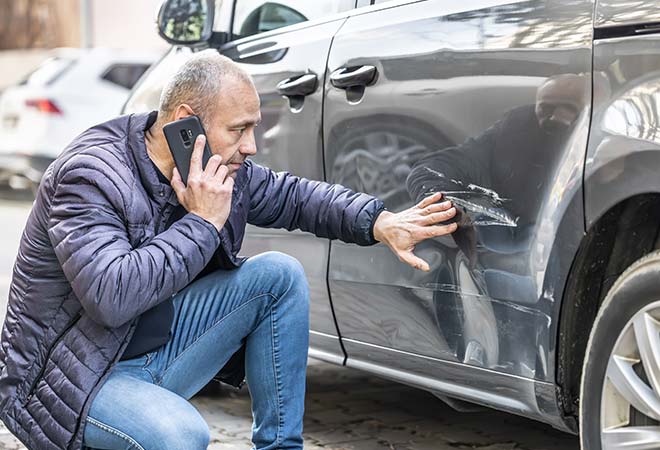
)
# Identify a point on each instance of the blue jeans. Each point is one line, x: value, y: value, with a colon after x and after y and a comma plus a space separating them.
x: 264, y: 303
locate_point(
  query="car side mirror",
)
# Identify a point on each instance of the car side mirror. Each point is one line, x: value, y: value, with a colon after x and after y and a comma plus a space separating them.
x: 186, y: 22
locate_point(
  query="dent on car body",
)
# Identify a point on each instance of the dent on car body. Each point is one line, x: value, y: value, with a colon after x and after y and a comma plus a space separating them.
x: 485, y: 205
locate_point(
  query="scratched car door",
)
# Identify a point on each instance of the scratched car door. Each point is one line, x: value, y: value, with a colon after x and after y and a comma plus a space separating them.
x: 284, y: 46
x: 486, y: 101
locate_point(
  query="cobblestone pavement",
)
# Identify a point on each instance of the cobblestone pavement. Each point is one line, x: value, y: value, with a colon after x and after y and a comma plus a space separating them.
x: 345, y: 409
x: 349, y: 410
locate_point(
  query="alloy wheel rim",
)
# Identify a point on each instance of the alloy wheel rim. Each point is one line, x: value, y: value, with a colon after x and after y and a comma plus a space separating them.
x: 630, y: 401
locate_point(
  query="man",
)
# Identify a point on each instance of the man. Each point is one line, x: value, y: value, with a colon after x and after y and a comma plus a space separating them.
x: 128, y: 295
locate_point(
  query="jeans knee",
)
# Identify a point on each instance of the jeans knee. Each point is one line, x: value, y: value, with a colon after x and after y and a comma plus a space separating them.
x: 185, y: 432
x: 285, y: 270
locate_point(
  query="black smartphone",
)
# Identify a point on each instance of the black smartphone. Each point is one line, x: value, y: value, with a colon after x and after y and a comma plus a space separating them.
x: 180, y: 136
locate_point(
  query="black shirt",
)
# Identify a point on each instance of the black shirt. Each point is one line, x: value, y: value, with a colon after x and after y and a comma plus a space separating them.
x: 153, y: 328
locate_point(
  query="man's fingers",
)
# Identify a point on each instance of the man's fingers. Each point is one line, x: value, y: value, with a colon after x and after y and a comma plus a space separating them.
x: 212, y: 165
x: 434, y: 218
x: 229, y: 181
x: 437, y: 207
x: 221, y: 174
x: 196, y: 157
x: 411, y: 259
x: 429, y: 200
x: 436, y: 230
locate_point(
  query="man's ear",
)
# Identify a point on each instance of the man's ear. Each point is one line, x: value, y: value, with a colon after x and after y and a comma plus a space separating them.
x: 182, y: 111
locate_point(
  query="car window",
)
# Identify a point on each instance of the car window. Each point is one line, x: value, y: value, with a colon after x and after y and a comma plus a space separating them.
x: 146, y: 94
x: 48, y: 71
x: 258, y: 16
x: 125, y: 75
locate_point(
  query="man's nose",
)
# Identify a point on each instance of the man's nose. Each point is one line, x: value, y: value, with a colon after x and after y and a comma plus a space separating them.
x: 561, y: 115
x: 249, y: 146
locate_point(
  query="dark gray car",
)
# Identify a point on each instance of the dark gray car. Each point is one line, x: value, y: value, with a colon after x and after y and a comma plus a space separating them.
x: 540, y: 120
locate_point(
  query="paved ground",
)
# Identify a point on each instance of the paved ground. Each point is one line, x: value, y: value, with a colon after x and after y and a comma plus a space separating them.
x: 345, y: 409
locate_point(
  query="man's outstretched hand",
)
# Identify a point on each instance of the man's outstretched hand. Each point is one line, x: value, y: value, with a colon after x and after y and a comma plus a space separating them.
x: 403, y: 230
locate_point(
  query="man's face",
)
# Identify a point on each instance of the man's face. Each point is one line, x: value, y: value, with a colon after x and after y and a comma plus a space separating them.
x: 230, y: 127
x: 558, y: 103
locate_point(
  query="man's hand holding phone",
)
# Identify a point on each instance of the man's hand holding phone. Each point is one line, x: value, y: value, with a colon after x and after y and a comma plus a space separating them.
x: 209, y: 190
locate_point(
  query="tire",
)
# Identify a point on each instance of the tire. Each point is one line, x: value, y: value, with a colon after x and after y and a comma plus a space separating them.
x: 632, y: 303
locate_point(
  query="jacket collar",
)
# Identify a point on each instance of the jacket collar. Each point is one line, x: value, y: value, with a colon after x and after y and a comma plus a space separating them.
x: 138, y: 123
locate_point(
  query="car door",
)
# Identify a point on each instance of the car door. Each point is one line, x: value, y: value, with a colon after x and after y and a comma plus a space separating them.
x: 284, y: 46
x: 488, y: 102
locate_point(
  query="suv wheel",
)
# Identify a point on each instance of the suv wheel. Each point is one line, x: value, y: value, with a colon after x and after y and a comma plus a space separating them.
x: 620, y: 389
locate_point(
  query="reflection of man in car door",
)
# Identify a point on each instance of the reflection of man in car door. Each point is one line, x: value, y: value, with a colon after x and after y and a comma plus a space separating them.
x: 499, y: 177
x: 497, y: 181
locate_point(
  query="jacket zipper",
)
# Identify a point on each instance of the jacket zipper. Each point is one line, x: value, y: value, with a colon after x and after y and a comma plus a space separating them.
x: 33, y: 385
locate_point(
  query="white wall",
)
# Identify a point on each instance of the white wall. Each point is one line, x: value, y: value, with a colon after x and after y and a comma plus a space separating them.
x: 125, y: 24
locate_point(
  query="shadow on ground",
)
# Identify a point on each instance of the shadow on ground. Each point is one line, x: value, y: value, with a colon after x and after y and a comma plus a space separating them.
x: 347, y: 409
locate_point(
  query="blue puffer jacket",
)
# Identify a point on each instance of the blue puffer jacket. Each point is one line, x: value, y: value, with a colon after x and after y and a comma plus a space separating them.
x: 92, y: 258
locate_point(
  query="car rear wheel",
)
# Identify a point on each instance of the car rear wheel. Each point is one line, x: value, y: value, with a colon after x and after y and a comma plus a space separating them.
x: 620, y: 389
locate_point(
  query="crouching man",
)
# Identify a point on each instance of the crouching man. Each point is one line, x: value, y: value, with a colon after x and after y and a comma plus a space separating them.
x: 128, y: 296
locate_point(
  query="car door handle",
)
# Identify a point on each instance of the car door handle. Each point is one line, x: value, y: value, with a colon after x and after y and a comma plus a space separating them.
x: 300, y: 85
x: 345, y: 77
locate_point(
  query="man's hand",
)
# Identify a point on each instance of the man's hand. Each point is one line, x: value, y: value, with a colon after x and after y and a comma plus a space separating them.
x: 208, y: 192
x: 403, y: 230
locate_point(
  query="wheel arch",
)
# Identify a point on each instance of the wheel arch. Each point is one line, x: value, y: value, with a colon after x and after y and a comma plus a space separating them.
x: 622, y: 233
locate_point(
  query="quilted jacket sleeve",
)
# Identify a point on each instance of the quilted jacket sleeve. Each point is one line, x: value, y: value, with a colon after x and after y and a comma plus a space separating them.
x: 282, y: 200
x: 113, y: 281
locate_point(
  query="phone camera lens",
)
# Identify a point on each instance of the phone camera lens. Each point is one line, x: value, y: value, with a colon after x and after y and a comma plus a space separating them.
x: 185, y: 138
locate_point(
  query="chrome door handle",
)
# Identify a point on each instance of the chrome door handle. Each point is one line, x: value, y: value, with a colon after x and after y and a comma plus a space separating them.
x: 300, y: 85
x: 346, y: 77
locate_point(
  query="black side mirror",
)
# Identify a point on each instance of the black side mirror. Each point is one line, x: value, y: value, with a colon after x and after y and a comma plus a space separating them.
x: 186, y: 22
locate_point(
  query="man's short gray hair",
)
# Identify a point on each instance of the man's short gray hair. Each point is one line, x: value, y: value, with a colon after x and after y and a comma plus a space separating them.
x: 198, y: 83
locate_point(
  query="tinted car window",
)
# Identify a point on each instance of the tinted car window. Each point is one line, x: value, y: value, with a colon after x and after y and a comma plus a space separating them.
x: 125, y: 75
x: 258, y: 16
